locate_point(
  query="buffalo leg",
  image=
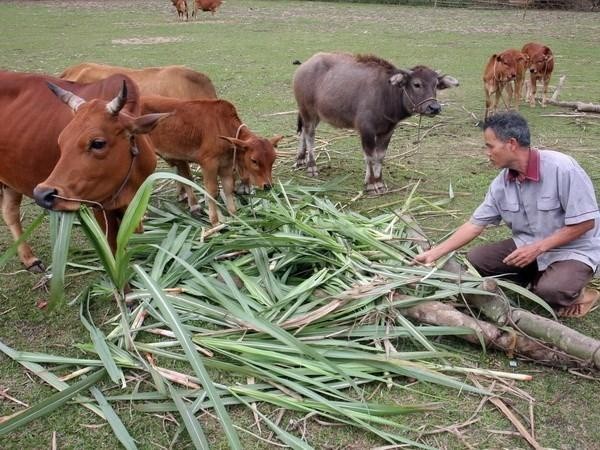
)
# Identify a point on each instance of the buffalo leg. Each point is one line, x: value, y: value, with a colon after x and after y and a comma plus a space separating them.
x: 11, y: 204
x: 306, y: 155
x: 374, y: 150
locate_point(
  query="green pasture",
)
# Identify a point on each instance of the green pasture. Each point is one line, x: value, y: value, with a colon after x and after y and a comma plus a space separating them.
x: 247, y: 49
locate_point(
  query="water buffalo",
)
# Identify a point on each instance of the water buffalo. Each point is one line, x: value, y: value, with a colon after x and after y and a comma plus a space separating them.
x: 365, y: 93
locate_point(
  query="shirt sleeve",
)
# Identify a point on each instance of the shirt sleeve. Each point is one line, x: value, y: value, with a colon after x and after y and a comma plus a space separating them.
x: 488, y: 212
x: 577, y: 196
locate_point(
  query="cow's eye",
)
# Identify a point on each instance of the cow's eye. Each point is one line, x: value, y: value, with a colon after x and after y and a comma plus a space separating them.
x: 254, y: 161
x: 417, y: 84
x: 97, y: 144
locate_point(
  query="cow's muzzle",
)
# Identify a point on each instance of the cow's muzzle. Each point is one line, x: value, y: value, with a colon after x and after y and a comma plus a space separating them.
x: 433, y: 109
x: 45, y: 196
x: 267, y: 187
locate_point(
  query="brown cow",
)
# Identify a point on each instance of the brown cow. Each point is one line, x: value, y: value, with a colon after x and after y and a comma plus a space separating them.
x: 99, y: 155
x: 541, y: 65
x: 210, y: 133
x: 500, y: 72
x: 168, y: 81
x: 181, y: 7
x: 206, y: 5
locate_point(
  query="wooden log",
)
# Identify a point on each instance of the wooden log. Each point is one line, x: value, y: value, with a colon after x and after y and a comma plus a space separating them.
x: 577, y: 106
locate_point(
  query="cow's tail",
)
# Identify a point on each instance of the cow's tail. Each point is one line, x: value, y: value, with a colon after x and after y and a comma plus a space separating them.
x: 299, y: 124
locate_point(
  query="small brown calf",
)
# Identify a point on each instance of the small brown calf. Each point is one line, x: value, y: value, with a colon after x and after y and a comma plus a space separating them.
x: 206, y: 5
x: 210, y: 133
x: 540, y: 65
x: 500, y: 71
x: 181, y: 7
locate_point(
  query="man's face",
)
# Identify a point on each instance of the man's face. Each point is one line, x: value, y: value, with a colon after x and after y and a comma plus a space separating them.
x: 498, y: 152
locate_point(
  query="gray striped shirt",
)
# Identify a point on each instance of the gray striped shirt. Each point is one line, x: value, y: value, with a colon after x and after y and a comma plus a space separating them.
x: 533, y: 210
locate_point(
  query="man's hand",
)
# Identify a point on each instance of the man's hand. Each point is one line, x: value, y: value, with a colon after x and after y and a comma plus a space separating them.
x: 523, y: 256
x: 426, y: 258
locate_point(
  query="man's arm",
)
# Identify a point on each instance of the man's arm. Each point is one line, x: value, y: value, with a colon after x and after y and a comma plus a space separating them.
x: 528, y: 253
x: 462, y: 236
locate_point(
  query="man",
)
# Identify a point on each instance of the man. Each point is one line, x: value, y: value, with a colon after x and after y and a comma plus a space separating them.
x: 548, y: 202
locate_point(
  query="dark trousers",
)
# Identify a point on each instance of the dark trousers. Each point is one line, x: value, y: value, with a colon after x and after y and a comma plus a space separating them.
x: 559, y: 285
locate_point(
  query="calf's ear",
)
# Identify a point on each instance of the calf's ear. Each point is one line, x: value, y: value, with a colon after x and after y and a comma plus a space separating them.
x: 275, y: 140
x: 238, y: 143
x: 146, y: 123
x: 400, y: 78
x: 446, y: 81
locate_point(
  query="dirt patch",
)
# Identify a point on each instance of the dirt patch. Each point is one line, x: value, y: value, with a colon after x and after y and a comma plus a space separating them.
x: 147, y: 41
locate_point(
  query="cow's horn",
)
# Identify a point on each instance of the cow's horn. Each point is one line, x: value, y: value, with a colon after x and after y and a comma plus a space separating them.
x: 117, y: 103
x: 68, y: 97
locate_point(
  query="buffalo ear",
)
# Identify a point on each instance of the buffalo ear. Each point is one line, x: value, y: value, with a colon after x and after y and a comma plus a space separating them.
x: 275, y: 140
x: 446, y: 81
x: 146, y: 123
x: 400, y: 78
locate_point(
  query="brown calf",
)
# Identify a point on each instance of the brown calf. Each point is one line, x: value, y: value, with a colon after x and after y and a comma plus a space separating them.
x: 206, y: 5
x: 541, y: 65
x: 181, y: 7
x: 500, y: 71
x: 210, y: 133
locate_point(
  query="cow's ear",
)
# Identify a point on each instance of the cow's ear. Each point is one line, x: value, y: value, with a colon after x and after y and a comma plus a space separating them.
x: 400, y: 78
x: 237, y: 143
x: 446, y: 81
x: 275, y: 140
x: 146, y: 123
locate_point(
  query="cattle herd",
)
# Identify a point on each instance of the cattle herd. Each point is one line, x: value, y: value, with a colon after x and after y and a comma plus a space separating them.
x: 91, y: 136
x: 510, y: 67
x: 202, y: 5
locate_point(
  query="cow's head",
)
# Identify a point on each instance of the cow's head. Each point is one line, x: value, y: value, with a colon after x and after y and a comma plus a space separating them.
x: 507, y: 64
x: 103, y: 158
x: 539, y: 61
x: 254, y: 159
x: 419, y: 88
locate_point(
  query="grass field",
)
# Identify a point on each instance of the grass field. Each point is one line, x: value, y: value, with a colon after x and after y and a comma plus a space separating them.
x: 247, y: 49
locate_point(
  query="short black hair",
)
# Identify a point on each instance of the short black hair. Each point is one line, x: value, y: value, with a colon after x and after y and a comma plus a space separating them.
x: 508, y: 125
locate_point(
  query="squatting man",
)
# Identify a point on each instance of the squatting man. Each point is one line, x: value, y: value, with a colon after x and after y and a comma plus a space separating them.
x: 548, y: 202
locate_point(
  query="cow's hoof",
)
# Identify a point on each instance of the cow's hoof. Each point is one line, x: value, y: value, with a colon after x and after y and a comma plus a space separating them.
x: 182, y: 197
x: 312, y: 171
x: 36, y: 267
x: 196, y: 212
x: 375, y: 188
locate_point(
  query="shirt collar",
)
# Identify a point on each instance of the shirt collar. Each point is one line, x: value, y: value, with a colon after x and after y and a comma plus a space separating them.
x: 532, y: 172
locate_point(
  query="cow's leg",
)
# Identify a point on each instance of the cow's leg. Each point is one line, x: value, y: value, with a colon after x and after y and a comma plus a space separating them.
x: 532, y: 90
x: 306, y: 156
x: 11, y: 204
x: 227, y: 180
x: 509, y: 95
x: 517, y: 93
x: 183, y: 169
x: 374, y: 155
x: 211, y: 184
x: 546, y: 80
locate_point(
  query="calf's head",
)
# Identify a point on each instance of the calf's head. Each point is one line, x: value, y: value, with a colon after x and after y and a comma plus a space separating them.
x: 99, y: 155
x: 506, y: 65
x: 254, y: 158
x: 419, y: 87
x: 540, y: 62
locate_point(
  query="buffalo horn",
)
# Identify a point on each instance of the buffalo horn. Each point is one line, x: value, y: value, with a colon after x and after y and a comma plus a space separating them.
x: 117, y: 103
x: 67, y: 97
